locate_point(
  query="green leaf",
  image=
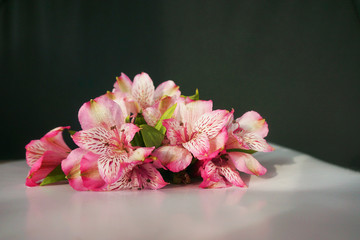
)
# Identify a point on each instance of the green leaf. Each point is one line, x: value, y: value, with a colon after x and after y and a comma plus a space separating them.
x: 167, y: 115
x: 241, y: 150
x: 151, y: 136
x: 127, y: 119
x: 137, y: 140
x: 56, y: 175
x: 139, y: 120
x: 194, y: 97
x: 71, y: 132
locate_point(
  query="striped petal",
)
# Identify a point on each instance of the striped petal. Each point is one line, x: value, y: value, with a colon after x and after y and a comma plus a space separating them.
x: 110, y: 166
x: 51, y: 141
x: 192, y: 111
x: 252, y: 141
x: 199, y: 146
x: 212, y: 123
x: 42, y: 167
x: 247, y: 163
x: 231, y: 175
x: 97, y: 140
x: 174, y: 131
x: 150, y: 177
x: 128, y: 130
x: 144, y: 176
x: 100, y: 112
x: 211, y: 177
x: 252, y: 122
x: 34, y: 150
x: 174, y: 158
x: 143, y: 90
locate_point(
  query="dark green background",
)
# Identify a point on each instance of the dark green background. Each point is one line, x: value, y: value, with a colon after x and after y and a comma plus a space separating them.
x: 295, y: 62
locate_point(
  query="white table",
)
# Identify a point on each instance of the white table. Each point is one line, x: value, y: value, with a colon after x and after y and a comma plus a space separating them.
x: 299, y: 198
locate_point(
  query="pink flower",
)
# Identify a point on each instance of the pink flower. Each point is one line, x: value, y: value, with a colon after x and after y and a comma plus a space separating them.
x: 141, y: 95
x: 219, y: 172
x: 140, y: 175
x: 248, y: 133
x: 44, y: 155
x: 244, y: 134
x: 197, y: 130
x: 105, y: 154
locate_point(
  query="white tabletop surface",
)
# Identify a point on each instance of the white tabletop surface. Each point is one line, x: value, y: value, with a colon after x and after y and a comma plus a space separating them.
x: 299, y: 198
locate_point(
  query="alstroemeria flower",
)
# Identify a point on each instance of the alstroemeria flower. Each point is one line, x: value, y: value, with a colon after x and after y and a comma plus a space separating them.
x: 140, y: 175
x: 246, y: 133
x: 198, y: 131
x: 81, y: 169
x: 141, y: 92
x: 219, y: 173
x: 44, y: 155
x: 106, y: 134
x: 250, y: 130
x: 141, y: 96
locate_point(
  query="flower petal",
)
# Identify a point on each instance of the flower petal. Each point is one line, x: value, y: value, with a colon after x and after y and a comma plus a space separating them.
x: 41, y: 168
x: 128, y: 131
x: 252, y: 122
x: 151, y: 177
x: 174, y: 131
x: 211, y: 177
x: 142, y: 176
x: 174, y: 158
x: 34, y: 150
x: 246, y: 163
x: 192, y: 111
x: 90, y: 175
x: 151, y: 116
x: 167, y: 88
x: 100, y: 112
x: 51, y: 141
x: 71, y: 168
x: 110, y: 167
x: 252, y: 141
x: 212, y: 123
x: 97, y: 140
x: 140, y: 154
x: 217, y: 144
x: 124, y: 182
x: 199, y: 146
x: 143, y: 90
x: 231, y: 175
x: 123, y: 84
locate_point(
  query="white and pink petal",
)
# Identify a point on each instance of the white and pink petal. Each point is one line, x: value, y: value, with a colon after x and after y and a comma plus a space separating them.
x: 174, y: 158
x: 90, y: 174
x: 199, y: 146
x: 246, y: 163
x: 167, y: 88
x: 100, y: 112
x: 252, y: 122
x: 111, y: 166
x: 175, y: 132
x: 123, y: 84
x: 212, y: 122
x: 98, y: 140
x: 71, y: 168
x: 143, y: 90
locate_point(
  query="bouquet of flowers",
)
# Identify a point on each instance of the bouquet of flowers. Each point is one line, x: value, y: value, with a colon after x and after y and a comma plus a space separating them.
x: 139, y: 137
